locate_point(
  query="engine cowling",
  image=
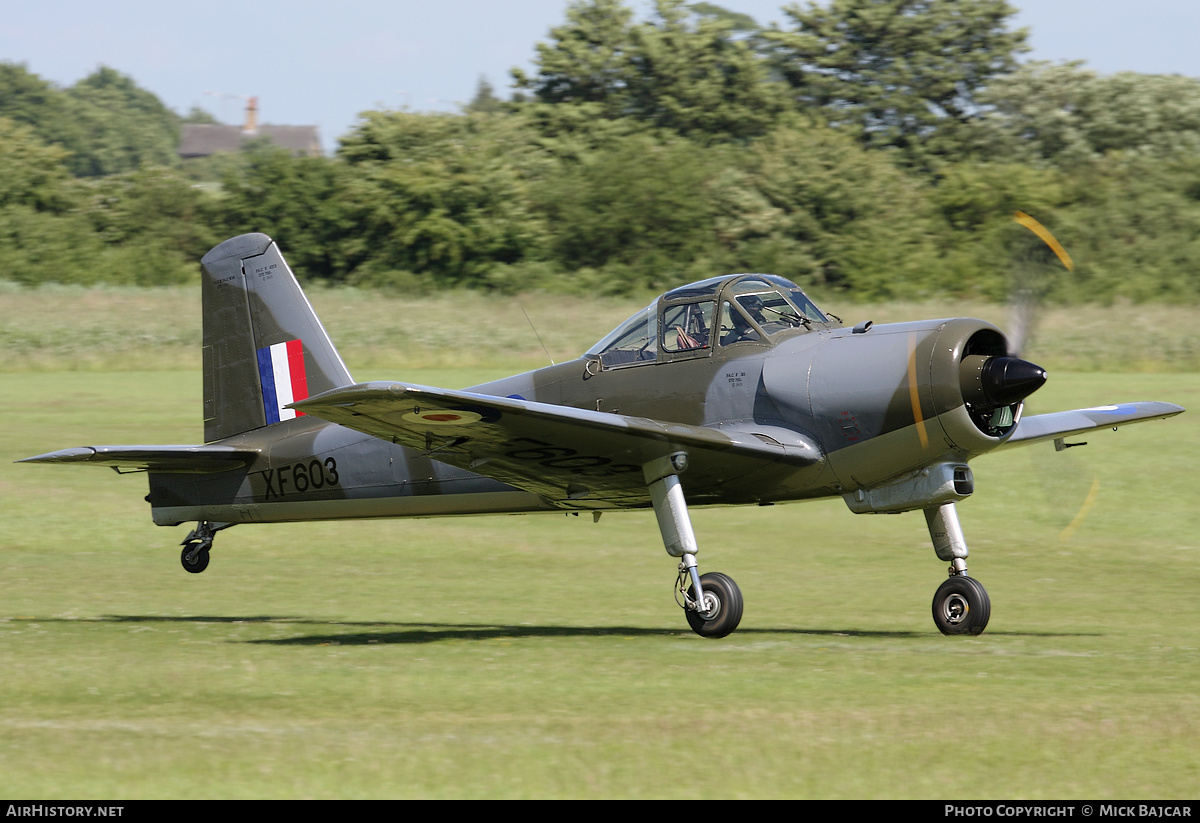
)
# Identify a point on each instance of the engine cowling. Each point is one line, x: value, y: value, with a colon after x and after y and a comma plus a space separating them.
x: 886, y: 400
x: 978, y: 388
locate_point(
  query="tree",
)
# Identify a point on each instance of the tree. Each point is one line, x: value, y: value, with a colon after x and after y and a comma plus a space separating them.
x: 641, y: 209
x: 485, y: 100
x: 586, y: 60
x: 738, y: 22
x: 809, y: 203
x: 297, y: 200
x: 105, y: 121
x: 1133, y: 227
x: 897, y: 73
x: 31, y: 172
x: 202, y: 116
x: 1066, y: 114
x: 155, y: 208
x: 691, y: 75
x: 984, y: 252
x: 129, y: 127
x: 685, y: 70
x: 40, y: 239
x: 442, y: 197
x: 52, y: 115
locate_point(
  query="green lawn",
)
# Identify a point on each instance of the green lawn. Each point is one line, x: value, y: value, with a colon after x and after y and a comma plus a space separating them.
x: 542, y: 656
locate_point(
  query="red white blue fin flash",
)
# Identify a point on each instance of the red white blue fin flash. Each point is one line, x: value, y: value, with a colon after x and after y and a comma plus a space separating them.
x: 281, y: 369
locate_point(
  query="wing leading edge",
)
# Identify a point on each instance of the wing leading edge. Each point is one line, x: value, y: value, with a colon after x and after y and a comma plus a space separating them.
x: 562, y: 453
x: 173, y: 459
x: 1052, y: 426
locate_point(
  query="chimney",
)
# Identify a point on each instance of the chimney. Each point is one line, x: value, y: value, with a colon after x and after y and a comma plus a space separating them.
x: 251, y: 126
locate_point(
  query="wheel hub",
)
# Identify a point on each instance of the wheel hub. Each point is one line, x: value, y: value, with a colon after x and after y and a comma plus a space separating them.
x: 955, y: 609
x: 710, y: 608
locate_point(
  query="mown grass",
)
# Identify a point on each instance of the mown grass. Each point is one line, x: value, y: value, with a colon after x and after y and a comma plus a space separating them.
x: 542, y: 656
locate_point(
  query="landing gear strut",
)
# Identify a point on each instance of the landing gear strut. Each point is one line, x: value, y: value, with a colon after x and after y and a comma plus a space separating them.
x: 961, y: 604
x: 194, y: 556
x: 712, y: 602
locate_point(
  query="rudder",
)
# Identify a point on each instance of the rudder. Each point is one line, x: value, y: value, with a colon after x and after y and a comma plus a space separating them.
x: 263, y: 344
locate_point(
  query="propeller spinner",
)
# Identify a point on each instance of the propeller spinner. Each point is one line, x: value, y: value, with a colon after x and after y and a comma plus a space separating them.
x: 993, y: 382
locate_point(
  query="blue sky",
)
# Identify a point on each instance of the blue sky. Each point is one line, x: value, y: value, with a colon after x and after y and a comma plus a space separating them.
x: 310, y: 62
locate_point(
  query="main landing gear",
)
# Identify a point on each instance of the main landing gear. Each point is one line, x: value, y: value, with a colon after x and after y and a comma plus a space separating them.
x: 194, y: 556
x: 960, y: 605
x: 711, y: 602
x: 721, y: 609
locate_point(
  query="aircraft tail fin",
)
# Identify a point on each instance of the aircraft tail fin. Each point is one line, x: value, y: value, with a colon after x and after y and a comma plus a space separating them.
x: 263, y: 344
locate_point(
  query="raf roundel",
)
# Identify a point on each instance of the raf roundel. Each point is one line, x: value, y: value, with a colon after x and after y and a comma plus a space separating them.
x: 443, y: 417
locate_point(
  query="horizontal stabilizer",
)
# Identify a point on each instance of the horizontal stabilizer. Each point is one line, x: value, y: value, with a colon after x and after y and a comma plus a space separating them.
x: 1042, y: 427
x: 172, y: 459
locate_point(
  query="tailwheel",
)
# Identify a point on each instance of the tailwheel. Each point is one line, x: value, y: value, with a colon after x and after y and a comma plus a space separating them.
x: 721, y: 610
x: 961, y: 606
x: 194, y: 556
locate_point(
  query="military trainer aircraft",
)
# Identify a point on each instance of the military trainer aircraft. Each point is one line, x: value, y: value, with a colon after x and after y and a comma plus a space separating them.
x: 732, y: 390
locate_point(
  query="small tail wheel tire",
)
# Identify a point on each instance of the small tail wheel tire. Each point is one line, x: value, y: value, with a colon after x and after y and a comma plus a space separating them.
x: 961, y: 606
x: 722, y: 606
x: 195, y: 564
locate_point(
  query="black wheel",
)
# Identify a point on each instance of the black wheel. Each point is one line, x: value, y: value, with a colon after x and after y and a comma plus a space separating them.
x: 724, y: 601
x: 961, y: 606
x: 196, y: 564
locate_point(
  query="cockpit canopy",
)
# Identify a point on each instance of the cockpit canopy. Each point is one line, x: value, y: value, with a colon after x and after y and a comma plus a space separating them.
x: 691, y: 320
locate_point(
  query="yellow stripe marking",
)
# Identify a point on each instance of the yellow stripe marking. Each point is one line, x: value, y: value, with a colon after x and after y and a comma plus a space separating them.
x: 914, y: 395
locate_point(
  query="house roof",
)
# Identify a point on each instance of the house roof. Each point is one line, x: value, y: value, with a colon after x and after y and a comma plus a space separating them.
x: 201, y: 140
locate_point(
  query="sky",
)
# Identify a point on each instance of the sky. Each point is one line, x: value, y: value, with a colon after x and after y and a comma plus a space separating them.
x: 316, y: 62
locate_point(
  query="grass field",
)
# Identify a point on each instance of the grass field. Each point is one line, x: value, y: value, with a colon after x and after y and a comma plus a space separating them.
x: 542, y: 656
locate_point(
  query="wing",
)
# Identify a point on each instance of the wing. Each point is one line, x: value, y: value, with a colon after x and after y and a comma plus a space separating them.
x: 573, y: 457
x: 174, y: 459
x: 1041, y: 427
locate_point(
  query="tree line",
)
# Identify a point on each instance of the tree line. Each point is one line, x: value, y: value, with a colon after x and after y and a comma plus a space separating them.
x: 873, y: 147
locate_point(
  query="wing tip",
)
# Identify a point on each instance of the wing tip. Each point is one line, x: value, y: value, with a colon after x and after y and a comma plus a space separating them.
x: 77, y: 454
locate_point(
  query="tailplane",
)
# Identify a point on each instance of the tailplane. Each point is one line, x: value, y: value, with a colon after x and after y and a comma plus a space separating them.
x: 263, y: 344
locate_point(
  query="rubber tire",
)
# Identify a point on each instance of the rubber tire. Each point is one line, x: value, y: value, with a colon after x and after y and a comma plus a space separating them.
x: 961, y: 606
x: 729, y: 612
x: 196, y: 566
